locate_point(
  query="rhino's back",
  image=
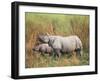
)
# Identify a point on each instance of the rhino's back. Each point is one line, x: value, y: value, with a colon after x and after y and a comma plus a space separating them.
x: 69, y: 43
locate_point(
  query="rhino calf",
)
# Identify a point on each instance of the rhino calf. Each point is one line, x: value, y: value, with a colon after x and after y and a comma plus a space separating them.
x: 43, y: 48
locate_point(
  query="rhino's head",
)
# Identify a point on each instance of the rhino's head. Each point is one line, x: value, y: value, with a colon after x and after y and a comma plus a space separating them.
x: 43, y: 38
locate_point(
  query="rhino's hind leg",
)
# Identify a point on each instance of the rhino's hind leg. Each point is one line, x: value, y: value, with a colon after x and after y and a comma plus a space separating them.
x: 78, y: 52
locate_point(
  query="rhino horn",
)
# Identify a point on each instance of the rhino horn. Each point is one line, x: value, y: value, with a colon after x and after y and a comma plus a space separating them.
x: 47, y: 34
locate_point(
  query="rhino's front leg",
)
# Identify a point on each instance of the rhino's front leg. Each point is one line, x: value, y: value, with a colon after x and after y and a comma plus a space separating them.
x: 58, y: 53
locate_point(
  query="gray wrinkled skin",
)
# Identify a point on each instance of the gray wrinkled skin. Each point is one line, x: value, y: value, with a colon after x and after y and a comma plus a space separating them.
x: 63, y: 44
x: 43, y: 48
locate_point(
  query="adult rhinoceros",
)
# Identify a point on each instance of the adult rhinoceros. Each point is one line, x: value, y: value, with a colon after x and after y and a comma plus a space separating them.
x: 63, y: 44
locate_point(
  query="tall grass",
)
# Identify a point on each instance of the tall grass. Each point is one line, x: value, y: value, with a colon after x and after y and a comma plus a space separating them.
x: 55, y: 24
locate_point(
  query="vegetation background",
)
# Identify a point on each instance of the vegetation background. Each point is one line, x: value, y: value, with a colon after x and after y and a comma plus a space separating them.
x: 55, y: 24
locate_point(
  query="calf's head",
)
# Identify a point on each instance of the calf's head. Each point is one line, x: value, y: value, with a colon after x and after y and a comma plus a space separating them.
x: 35, y: 48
